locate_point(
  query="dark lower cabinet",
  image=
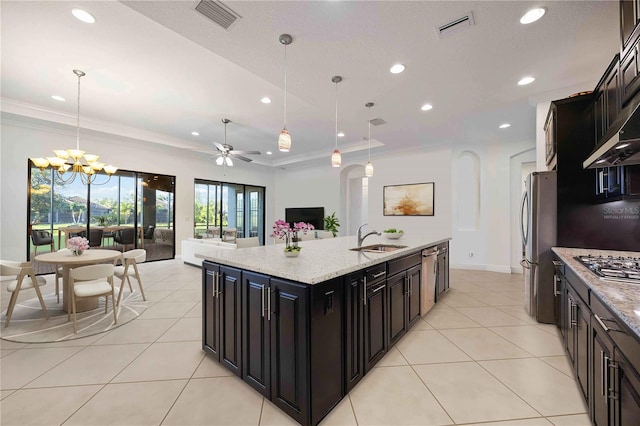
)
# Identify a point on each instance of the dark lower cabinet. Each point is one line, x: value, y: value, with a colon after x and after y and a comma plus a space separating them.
x: 375, y: 328
x: 222, y: 315
x: 442, y: 270
x: 414, y: 278
x: 354, y: 329
x: 256, y: 333
x: 604, y: 353
x: 396, y: 293
x: 578, y: 338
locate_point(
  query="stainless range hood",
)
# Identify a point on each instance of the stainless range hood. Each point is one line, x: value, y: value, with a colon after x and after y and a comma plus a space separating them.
x: 620, y: 146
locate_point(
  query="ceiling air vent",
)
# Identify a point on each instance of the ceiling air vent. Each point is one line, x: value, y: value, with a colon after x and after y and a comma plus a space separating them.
x: 377, y: 121
x: 456, y: 25
x: 218, y: 13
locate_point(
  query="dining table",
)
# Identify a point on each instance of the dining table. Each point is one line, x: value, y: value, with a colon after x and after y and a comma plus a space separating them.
x: 67, y: 260
x: 66, y: 230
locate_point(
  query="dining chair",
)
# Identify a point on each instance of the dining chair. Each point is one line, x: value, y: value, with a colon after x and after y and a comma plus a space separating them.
x: 88, y: 282
x: 15, y: 273
x: 39, y: 238
x: 125, y: 237
x: 247, y: 242
x: 129, y: 269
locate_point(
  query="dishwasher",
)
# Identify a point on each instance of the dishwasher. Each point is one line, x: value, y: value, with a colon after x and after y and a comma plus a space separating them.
x: 428, y: 280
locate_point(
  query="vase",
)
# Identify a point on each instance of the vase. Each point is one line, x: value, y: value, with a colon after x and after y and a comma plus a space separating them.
x: 292, y: 253
x: 77, y: 252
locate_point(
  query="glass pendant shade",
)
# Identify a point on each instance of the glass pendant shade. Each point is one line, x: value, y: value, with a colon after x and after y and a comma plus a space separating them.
x: 336, y: 158
x: 284, y: 141
x: 368, y: 170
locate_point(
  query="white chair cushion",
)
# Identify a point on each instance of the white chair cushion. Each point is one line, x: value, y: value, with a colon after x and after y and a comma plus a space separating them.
x: 26, y: 283
x: 119, y: 271
x: 91, y: 288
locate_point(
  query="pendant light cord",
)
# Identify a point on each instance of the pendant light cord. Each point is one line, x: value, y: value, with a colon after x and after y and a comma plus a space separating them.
x: 285, y: 87
x: 369, y: 135
x: 78, y: 118
x: 336, y: 133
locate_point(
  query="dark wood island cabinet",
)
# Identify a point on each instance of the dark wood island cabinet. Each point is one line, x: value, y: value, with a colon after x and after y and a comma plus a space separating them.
x: 304, y: 345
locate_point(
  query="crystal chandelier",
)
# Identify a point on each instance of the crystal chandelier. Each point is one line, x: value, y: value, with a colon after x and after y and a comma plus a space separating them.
x: 336, y: 158
x: 368, y: 169
x: 284, y: 140
x: 75, y: 162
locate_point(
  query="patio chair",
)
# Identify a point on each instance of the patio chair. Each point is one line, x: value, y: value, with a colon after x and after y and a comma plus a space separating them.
x: 95, y: 237
x: 41, y: 238
x: 125, y: 237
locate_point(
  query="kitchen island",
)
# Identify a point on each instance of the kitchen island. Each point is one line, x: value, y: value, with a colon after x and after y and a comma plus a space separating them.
x: 599, y: 322
x: 303, y: 331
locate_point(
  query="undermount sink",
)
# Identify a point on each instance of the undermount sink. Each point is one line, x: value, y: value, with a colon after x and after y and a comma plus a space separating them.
x: 378, y: 248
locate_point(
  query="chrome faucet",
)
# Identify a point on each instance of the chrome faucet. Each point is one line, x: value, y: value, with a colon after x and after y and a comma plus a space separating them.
x: 361, y: 238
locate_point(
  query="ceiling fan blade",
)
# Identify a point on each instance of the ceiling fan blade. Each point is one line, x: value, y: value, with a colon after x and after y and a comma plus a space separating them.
x: 220, y: 147
x: 240, y: 157
x: 235, y: 151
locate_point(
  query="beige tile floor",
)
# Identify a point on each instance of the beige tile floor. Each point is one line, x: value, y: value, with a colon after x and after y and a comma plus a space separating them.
x: 476, y: 358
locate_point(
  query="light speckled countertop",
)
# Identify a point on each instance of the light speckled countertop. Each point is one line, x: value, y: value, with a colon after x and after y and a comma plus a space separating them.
x: 621, y: 298
x: 319, y: 260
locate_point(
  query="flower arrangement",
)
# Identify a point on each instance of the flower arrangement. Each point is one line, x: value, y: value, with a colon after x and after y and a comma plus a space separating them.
x: 283, y: 230
x: 78, y: 245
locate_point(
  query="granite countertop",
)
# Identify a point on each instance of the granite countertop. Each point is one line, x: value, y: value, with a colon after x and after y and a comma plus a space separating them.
x: 621, y: 298
x: 319, y: 260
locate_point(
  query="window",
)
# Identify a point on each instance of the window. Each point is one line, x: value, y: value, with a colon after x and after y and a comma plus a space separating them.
x: 220, y: 207
x: 129, y: 199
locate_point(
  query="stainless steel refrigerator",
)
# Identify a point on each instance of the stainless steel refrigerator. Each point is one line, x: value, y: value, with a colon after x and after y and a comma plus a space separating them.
x: 538, y: 218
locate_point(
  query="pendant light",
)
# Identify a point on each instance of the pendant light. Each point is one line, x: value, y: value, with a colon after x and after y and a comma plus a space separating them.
x: 368, y: 169
x: 284, y: 140
x: 336, y: 158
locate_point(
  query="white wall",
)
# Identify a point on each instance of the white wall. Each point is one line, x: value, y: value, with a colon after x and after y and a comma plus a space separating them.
x: 21, y: 141
x: 489, y: 246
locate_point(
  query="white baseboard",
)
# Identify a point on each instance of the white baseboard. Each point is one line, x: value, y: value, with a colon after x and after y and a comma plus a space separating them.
x: 489, y: 268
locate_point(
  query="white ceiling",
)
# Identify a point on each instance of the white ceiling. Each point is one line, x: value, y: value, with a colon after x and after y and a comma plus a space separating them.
x: 158, y: 70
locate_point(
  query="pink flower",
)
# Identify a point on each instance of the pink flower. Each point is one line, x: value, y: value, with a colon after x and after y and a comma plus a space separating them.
x: 78, y: 243
x: 283, y: 230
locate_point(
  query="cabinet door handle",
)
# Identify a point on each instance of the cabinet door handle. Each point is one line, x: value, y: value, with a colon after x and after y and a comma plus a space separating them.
x: 379, y: 288
x: 602, y: 324
x: 262, y: 300
x: 557, y: 263
x: 555, y: 285
x: 574, y: 314
x: 364, y: 291
x: 602, y: 367
x: 216, y: 284
x: 570, y: 313
x: 605, y: 381
x: 269, y: 304
x: 379, y: 274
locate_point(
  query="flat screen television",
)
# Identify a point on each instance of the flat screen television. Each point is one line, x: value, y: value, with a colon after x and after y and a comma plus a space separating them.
x: 312, y: 215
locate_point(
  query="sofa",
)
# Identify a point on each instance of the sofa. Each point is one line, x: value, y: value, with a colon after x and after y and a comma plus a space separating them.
x: 191, y: 246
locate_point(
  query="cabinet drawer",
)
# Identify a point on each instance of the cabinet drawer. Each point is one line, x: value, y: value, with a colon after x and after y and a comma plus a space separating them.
x: 398, y: 265
x: 617, y: 331
x: 375, y: 273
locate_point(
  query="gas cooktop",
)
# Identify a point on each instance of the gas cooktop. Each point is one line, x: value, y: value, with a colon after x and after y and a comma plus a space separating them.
x: 610, y: 268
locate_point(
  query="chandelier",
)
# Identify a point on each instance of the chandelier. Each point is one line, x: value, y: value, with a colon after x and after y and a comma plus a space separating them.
x: 75, y: 162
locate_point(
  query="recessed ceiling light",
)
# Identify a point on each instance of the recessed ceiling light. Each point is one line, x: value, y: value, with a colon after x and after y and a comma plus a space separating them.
x: 622, y: 145
x: 341, y: 135
x: 269, y: 152
x: 533, y: 15
x: 426, y: 107
x: 397, y: 69
x: 58, y: 98
x: 526, y: 80
x: 265, y: 100
x: 195, y: 133
x: 504, y: 125
x: 83, y: 16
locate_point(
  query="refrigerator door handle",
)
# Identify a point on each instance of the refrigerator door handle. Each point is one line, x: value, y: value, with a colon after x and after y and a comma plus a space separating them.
x: 524, y: 227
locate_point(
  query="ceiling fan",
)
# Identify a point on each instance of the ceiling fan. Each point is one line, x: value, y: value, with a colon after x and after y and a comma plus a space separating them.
x: 226, y: 151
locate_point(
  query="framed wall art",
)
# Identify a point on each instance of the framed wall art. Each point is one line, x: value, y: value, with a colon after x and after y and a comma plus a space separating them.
x: 415, y: 199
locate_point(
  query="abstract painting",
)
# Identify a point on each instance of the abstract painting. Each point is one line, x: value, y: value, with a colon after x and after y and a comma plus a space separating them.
x: 409, y: 200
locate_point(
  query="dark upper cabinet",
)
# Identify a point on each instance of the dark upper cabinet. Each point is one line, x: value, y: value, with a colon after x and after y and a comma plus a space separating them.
x: 629, y: 20
x: 629, y: 78
x: 550, y: 137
